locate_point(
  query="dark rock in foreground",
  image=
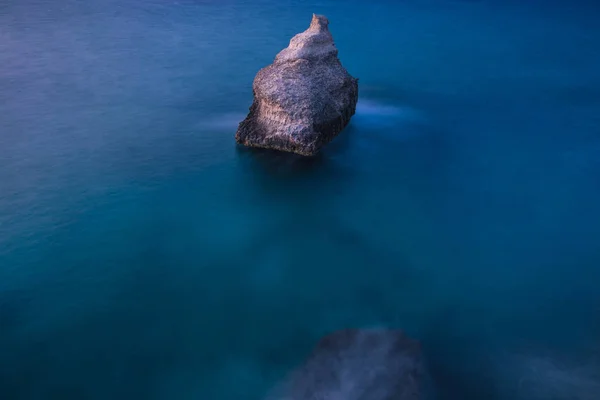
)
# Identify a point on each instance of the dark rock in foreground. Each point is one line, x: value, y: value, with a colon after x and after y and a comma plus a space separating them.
x: 302, y: 100
x: 359, y: 365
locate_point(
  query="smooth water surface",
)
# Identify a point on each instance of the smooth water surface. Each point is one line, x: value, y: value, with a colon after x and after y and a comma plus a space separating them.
x: 144, y: 256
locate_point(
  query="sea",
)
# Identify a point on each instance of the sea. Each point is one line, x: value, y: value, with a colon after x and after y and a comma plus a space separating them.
x: 145, y: 255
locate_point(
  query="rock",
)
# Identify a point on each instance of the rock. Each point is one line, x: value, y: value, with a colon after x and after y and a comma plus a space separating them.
x: 302, y: 100
x: 358, y: 364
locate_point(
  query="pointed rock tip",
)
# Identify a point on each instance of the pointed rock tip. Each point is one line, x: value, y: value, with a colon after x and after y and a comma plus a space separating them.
x: 319, y: 23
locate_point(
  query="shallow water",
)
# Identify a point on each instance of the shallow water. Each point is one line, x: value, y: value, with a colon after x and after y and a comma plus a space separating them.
x: 144, y: 255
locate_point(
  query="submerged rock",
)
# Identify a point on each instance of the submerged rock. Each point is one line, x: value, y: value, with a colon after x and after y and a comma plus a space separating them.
x: 302, y: 100
x: 359, y: 364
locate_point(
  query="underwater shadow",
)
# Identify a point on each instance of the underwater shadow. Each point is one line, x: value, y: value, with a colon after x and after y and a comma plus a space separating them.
x: 272, y: 169
x: 447, y: 351
x: 278, y: 163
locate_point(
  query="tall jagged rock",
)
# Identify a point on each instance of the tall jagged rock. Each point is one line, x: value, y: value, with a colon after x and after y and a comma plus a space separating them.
x: 357, y: 364
x: 302, y: 100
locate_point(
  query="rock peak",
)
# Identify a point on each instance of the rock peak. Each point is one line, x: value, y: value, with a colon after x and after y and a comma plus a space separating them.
x: 319, y: 23
x: 314, y: 43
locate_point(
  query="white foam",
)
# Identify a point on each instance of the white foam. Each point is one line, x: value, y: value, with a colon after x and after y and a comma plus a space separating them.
x: 373, y: 114
x: 370, y: 108
x: 226, y: 121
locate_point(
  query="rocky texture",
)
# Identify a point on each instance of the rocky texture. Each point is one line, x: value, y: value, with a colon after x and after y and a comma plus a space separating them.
x: 302, y: 100
x: 359, y: 365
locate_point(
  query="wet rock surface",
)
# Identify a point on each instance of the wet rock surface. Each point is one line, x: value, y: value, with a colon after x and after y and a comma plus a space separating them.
x: 356, y: 364
x: 302, y: 100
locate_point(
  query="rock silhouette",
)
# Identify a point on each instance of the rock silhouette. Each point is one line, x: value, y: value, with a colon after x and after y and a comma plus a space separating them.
x: 302, y: 100
x: 357, y: 364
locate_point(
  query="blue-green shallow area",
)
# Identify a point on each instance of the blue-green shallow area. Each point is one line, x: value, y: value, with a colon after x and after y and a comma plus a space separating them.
x: 144, y: 256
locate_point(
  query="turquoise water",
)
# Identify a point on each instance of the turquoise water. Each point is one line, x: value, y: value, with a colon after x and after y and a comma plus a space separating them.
x: 144, y: 256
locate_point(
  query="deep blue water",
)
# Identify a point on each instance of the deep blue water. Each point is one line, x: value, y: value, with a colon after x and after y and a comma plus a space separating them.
x: 144, y: 256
